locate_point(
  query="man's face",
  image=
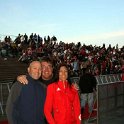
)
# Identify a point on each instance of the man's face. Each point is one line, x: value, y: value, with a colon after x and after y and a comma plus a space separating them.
x: 47, y: 70
x: 34, y: 70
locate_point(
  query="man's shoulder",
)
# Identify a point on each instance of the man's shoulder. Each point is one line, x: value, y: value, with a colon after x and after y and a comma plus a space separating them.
x: 17, y: 84
x: 16, y: 88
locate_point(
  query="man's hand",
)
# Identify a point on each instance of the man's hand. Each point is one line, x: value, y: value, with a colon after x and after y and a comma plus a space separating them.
x: 22, y: 79
x: 76, y: 86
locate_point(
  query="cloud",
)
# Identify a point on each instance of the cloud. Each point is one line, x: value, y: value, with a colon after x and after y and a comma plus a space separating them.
x: 112, y: 38
x: 92, y: 37
x: 103, y: 36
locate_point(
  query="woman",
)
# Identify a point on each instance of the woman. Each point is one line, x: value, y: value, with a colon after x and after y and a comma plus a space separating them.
x: 62, y: 105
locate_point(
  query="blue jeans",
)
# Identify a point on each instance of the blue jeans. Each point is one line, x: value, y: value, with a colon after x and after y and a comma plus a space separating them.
x: 87, y: 98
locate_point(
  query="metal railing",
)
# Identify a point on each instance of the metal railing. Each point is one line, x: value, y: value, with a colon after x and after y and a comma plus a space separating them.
x: 110, y: 94
x: 4, y: 92
x: 110, y: 99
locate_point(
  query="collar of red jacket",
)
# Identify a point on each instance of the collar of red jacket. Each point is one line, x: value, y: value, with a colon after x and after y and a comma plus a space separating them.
x: 61, y: 84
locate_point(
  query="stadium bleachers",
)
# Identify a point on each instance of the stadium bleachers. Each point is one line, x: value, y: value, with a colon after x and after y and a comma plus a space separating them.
x: 9, y: 69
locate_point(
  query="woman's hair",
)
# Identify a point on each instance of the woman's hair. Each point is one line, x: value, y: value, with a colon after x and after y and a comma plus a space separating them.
x: 58, y: 69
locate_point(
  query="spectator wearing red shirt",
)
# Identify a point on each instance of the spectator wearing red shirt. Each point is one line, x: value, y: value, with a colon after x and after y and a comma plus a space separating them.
x: 122, y: 73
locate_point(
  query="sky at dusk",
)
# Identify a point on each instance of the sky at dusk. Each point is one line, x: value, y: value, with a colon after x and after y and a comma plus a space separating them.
x: 87, y: 21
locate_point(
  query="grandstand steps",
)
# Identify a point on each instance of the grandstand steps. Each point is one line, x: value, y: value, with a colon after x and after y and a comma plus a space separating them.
x: 10, y: 68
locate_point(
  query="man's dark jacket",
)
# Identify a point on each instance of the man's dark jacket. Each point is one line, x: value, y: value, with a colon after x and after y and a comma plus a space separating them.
x: 26, y: 103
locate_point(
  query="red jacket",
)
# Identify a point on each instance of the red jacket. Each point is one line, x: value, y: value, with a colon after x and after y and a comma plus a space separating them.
x: 62, y: 105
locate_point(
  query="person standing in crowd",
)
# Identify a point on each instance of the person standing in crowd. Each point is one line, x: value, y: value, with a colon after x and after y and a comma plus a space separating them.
x: 62, y: 104
x: 25, y: 103
x: 87, y: 85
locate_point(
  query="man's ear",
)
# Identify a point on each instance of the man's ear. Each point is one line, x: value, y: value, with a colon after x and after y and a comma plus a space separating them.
x: 28, y: 69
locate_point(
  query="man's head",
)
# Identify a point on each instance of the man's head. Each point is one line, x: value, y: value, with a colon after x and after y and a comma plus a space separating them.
x: 34, y: 69
x: 87, y: 70
x: 47, y: 68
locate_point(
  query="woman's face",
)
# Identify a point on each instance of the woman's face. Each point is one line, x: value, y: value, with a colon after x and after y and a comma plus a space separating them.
x: 63, y: 73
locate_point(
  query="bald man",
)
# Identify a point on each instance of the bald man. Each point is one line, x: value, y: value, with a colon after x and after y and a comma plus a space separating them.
x: 25, y: 103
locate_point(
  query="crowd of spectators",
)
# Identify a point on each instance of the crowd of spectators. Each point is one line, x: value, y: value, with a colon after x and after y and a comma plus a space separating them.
x: 78, y: 56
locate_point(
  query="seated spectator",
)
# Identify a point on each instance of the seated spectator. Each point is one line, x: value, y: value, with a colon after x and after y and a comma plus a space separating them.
x: 122, y: 73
